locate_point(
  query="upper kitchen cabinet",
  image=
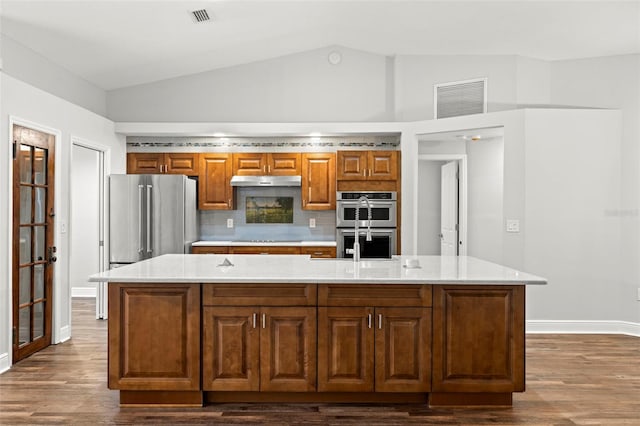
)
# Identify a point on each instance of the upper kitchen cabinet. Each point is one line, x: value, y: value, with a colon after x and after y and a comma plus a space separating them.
x: 181, y: 163
x: 367, y: 165
x: 273, y: 164
x: 319, y: 181
x: 214, y: 187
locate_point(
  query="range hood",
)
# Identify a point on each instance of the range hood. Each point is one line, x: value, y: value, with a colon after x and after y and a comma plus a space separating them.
x: 266, y: 180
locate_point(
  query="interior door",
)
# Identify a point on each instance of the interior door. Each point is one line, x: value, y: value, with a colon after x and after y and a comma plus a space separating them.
x: 449, y: 209
x: 33, y: 250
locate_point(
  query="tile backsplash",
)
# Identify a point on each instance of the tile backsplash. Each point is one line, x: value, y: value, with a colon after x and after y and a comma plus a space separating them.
x: 213, y: 223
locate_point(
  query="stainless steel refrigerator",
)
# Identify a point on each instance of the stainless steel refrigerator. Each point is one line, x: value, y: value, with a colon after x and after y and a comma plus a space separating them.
x: 149, y: 215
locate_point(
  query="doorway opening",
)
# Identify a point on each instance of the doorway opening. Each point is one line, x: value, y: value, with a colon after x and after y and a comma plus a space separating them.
x: 87, y: 221
x: 479, y: 154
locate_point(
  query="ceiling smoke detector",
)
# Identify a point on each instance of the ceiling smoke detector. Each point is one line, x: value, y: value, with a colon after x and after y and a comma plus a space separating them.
x: 200, y: 15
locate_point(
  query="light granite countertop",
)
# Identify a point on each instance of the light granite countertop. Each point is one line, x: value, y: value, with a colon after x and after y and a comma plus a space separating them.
x: 210, y: 268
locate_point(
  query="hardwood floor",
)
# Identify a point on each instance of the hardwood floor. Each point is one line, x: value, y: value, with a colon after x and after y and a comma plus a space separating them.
x: 571, y: 379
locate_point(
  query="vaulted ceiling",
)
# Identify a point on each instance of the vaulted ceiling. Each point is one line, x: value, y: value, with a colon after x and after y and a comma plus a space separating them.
x: 115, y: 43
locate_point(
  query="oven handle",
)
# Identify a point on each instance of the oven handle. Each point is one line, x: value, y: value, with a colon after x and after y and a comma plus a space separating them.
x: 374, y: 231
x: 374, y: 204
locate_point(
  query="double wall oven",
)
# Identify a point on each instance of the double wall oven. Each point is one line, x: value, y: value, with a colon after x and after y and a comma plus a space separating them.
x: 383, y: 223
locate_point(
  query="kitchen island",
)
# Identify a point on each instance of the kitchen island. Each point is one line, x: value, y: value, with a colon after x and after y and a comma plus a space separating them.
x: 196, y: 329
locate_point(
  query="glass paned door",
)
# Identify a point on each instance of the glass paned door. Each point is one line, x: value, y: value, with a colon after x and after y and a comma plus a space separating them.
x: 33, y: 249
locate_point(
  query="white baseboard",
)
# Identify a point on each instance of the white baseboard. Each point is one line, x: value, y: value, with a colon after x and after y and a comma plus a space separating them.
x: 65, y: 334
x: 83, y: 292
x: 583, y: 327
x: 4, y: 362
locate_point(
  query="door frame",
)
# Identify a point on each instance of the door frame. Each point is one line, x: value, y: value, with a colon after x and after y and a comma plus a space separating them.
x: 59, y: 333
x: 462, y: 197
x: 105, y: 153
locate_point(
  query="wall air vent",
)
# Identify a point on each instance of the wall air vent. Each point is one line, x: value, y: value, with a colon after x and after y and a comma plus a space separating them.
x: 200, y: 15
x: 460, y: 98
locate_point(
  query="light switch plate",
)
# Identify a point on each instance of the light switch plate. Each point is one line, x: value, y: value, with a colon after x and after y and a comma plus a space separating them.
x: 312, y: 222
x: 230, y: 223
x: 513, y: 225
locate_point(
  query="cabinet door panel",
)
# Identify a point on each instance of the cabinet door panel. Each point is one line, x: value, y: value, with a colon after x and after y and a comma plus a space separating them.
x: 181, y: 163
x: 230, y: 349
x: 288, y: 350
x: 319, y: 181
x: 144, y: 162
x: 383, y: 165
x: 284, y: 164
x: 352, y: 165
x: 214, y: 188
x: 403, y: 349
x: 345, y: 350
x: 249, y: 164
x: 478, y: 339
x: 154, y: 337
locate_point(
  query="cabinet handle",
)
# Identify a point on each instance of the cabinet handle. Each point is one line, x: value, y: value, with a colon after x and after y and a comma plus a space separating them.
x: 255, y: 317
x: 369, y: 320
x: 269, y: 169
x: 264, y: 169
x: 364, y: 172
x: 229, y: 203
x: 264, y: 320
x: 380, y: 321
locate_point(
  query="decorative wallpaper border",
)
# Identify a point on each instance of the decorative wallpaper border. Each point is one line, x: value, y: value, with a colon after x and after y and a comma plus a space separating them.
x: 367, y: 141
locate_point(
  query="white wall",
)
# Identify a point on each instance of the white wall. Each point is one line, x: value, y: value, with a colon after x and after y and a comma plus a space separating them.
x: 572, y: 180
x: 533, y: 82
x: 485, y: 189
x: 25, y: 102
x: 300, y: 87
x: 26, y: 65
x: 612, y: 82
x: 85, y: 219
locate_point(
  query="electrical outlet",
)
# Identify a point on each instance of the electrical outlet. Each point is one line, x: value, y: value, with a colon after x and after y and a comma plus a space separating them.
x: 230, y: 223
x: 312, y: 222
x: 513, y: 225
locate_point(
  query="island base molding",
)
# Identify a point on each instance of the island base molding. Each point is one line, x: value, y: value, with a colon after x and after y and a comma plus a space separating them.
x: 161, y: 398
x: 199, y: 399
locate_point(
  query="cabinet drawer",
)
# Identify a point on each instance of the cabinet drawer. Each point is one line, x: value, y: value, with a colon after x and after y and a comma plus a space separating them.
x: 374, y: 295
x: 259, y: 294
x: 324, y: 252
x: 210, y: 250
x: 263, y: 250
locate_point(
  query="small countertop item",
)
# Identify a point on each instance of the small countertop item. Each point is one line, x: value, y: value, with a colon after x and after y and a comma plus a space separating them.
x: 201, y: 268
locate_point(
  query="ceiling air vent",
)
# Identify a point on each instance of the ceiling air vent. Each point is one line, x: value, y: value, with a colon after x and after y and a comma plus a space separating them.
x: 460, y: 98
x: 200, y: 15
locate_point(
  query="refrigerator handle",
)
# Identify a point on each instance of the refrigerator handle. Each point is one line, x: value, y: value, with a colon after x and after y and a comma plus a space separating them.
x: 149, y: 248
x: 140, y: 247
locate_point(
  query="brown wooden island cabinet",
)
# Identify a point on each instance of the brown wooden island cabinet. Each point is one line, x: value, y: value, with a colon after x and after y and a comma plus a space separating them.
x: 189, y: 344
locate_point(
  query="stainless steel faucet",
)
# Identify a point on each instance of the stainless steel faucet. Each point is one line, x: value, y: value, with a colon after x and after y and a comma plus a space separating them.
x: 356, y: 240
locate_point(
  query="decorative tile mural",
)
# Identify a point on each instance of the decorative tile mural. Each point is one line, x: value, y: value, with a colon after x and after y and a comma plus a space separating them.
x: 269, y: 210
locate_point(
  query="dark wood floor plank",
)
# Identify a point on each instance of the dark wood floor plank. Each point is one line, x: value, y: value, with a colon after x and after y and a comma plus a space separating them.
x: 571, y: 379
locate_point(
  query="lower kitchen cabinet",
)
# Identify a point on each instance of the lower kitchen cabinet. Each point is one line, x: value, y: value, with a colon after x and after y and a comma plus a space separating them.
x: 269, y: 349
x: 366, y: 349
x: 478, y: 339
x: 210, y: 250
x: 154, y: 337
